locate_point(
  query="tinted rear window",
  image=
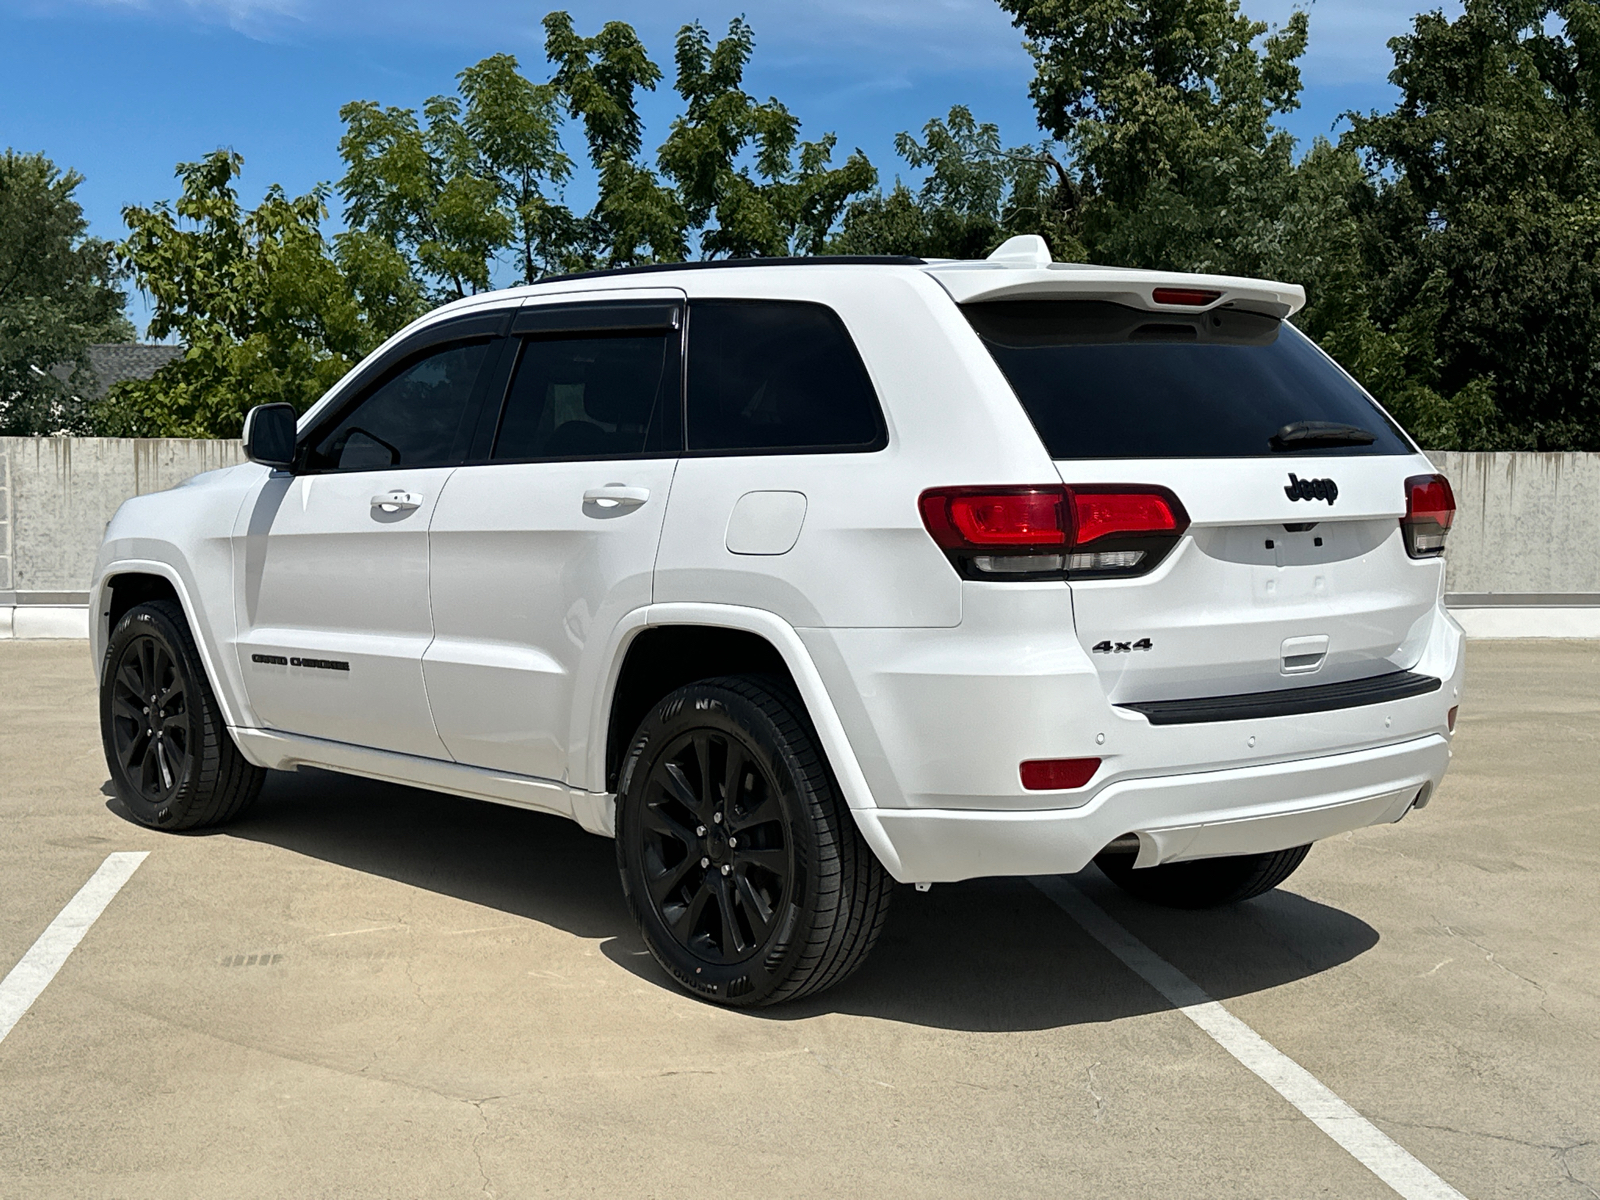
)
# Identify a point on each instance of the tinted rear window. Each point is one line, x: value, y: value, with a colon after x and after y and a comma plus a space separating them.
x: 1103, y: 380
x: 774, y: 376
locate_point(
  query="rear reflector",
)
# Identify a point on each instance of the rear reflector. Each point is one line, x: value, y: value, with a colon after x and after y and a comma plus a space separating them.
x: 1058, y: 774
x: 1192, y: 297
x: 1430, y: 511
x: 1030, y: 532
x: 1450, y: 718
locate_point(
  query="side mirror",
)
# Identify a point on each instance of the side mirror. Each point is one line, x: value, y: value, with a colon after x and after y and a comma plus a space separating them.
x: 269, y: 433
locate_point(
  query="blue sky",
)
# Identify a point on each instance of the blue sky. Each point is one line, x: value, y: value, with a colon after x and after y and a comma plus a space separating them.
x: 122, y: 90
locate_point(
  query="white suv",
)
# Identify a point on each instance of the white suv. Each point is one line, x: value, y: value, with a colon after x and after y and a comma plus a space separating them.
x: 802, y: 577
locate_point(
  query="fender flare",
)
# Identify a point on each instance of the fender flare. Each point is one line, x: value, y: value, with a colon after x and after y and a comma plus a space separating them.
x: 808, y: 680
x: 100, y: 633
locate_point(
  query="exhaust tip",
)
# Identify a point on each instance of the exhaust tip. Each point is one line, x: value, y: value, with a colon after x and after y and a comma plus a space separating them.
x: 1424, y: 794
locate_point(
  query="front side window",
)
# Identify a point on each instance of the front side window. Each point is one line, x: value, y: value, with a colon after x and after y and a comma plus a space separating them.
x: 419, y: 417
x: 592, y: 396
x: 776, y: 376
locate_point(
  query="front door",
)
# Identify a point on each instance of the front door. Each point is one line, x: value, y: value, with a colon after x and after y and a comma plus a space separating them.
x: 331, y: 563
x: 538, y: 552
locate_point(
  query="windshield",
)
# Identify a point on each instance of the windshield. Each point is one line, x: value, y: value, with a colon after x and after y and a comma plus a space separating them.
x: 1102, y: 380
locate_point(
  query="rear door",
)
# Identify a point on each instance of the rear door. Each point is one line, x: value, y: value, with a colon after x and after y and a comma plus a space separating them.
x: 548, y: 538
x: 1293, y: 571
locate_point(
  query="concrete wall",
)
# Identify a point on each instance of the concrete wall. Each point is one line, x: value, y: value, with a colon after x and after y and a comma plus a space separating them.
x: 1525, y: 523
x: 1524, y: 557
x: 58, y: 494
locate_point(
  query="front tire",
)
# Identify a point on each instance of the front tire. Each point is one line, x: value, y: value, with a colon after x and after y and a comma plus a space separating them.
x: 1205, y: 882
x: 172, y: 761
x: 739, y: 859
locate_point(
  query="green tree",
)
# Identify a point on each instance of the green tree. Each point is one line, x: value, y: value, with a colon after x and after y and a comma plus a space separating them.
x: 266, y: 308
x: 1479, y: 309
x: 58, y: 294
x: 637, y: 219
x: 747, y: 182
x: 1167, y: 110
x: 976, y: 193
x: 463, y: 184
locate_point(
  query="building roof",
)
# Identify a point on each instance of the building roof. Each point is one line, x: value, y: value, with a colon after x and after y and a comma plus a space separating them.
x: 113, y: 362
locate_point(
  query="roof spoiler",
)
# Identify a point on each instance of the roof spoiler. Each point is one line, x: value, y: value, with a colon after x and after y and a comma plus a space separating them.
x: 1021, y: 269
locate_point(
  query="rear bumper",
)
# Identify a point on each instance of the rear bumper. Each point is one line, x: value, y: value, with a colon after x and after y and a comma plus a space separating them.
x: 1244, y: 810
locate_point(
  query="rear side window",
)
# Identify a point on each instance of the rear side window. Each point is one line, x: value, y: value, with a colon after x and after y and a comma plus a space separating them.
x: 1103, y: 380
x: 592, y: 396
x: 777, y: 376
x: 420, y: 416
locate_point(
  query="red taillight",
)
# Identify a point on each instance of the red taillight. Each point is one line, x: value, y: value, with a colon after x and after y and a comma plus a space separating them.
x: 1430, y: 511
x: 1058, y: 774
x: 983, y: 518
x: 1100, y: 514
x: 1033, y: 532
x: 1192, y: 297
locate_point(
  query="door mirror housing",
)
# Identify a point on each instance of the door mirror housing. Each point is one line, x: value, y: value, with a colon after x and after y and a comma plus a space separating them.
x: 269, y: 435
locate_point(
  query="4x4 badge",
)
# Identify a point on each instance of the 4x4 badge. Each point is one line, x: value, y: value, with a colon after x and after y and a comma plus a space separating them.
x: 1122, y: 647
x: 1311, y: 489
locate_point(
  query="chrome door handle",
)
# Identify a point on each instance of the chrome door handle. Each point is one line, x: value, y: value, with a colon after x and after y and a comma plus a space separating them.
x: 396, y: 501
x: 614, y: 495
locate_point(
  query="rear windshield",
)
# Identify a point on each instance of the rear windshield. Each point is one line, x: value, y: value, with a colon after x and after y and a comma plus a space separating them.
x: 1103, y: 380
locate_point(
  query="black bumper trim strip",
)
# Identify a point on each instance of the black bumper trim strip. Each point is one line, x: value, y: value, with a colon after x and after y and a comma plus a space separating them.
x: 1399, y: 685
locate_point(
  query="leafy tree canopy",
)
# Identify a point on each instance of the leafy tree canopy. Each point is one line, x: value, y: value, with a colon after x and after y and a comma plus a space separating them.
x: 266, y: 309
x: 58, y: 294
x: 1478, y: 314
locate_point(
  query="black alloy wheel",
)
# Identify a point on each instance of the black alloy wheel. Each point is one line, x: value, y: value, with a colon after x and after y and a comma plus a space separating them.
x: 150, y: 730
x: 173, y: 763
x: 739, y: 858
x: 717, y: 864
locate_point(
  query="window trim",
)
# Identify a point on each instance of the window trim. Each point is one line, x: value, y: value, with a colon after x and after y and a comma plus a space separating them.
x: 879, y: 443
x: 486, y: 327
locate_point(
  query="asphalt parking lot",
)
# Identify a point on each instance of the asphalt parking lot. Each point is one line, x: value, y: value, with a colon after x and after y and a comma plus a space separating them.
x: 365, y: 990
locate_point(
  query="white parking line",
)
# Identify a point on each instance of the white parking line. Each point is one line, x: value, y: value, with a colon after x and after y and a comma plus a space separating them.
x: 39, y: 965
x: 1368, y: 1144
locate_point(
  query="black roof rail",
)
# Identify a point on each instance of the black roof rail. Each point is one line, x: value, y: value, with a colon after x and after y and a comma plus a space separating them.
x: 848, y: 260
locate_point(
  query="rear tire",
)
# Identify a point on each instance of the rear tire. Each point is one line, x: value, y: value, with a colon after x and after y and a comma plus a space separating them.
x: 173, y: 762
x: 739, y: 859
x: 1205, y: 882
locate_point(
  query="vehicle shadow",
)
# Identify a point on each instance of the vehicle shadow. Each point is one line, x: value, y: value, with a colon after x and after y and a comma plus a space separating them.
x: 988, y: 955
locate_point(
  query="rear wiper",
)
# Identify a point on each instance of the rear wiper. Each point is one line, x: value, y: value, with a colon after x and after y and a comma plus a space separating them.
x: 1313, y: 435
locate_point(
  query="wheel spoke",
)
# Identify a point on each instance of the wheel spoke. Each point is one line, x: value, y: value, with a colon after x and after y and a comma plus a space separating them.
x: 767, y: 810
x: 732, y: 776
x: 124, y: 707
x: 664, y: 885
x: 147, y: 664
x: 702, y: 754
x: 128, y: 677
x: 150, y: 770
x: 660, y: 822
x: 755, y: 907
x: 677, y: 784
x: 774, y: 861
x: 161, y: 761
x: 733, y: 942
x: 173, y: 692
x: 133, y: 750
x: 685, y: 923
